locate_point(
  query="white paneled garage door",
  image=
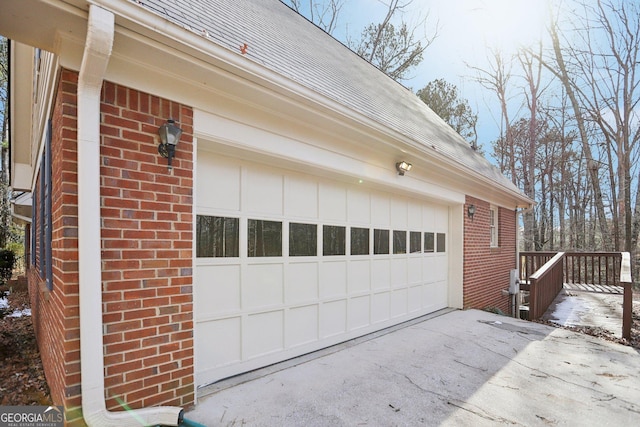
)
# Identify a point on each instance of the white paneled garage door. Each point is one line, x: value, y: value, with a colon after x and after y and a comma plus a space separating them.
x: 288, y: 263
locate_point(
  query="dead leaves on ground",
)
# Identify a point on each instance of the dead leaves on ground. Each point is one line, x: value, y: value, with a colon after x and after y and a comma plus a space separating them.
x: 22, y: 380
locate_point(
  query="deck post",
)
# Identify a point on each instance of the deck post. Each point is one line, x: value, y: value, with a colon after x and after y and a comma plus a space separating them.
x: 627, y: 301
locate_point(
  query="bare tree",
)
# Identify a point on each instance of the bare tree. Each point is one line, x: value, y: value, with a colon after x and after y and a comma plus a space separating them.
x: 598, y: 68
x: 324, y: 14
x: 497, y: 80
x: 393, y: 49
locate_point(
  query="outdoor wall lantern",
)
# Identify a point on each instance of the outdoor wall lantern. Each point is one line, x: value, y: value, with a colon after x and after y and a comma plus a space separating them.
x: 403, y: 167
x: 169, y: 137
x: 471, y: 211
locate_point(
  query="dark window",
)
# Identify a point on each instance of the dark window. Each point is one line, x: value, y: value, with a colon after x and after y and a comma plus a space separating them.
x: 415, y: 242
x: 380, y: 242
x: 333, y: 240
x: 399, y: 242
x: 217, y: 236
x: 41, y: 217
x: 442, y: 238
x: 429, y: 243
x: 359, y: 241
x: 47, y: 213
x: 45, y: 224
x: 264, y: 238
x: 34, y: 234
x: 303, y: 239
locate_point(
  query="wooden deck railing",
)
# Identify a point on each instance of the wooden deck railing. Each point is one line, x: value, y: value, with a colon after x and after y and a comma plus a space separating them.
x: 545, y: 285
x: 544, y: 274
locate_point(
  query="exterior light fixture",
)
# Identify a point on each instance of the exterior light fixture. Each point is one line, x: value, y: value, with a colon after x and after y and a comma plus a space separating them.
x: 403, y: 167
x: 169, y: 138
x: 471, y: 211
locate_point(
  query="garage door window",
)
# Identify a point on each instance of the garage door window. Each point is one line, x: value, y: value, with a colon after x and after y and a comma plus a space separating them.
x: 429, y: 242
x: 399, y: 242
x: 333, y: 240
x: 442, y: 238
x: 415, y: 242
x: 359, y: 241
x: 380, y: 242
x: 217, y: 236
x: 303, y: 239
x: 264, y: 238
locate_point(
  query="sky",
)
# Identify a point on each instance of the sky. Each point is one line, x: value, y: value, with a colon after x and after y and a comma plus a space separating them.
x: 466, y: 28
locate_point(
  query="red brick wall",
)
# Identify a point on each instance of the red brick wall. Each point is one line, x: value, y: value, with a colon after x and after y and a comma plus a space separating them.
x: 146, y: 222
x: 147, y: 239
x: 55, y: 313
x: 486, y: 269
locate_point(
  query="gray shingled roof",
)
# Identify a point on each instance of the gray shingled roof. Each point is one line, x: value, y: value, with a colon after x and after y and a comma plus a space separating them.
x: 287, y: 43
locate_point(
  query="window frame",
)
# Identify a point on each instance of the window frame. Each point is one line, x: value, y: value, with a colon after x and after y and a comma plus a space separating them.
x: 493, y: 227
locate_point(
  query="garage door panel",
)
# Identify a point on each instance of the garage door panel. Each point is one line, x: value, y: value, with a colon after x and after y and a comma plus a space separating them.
x: 428, y: 217
x: 218, y: 290
x: 218, y: 343
x: 333, y: 202
x: 380, y: 307
x: 212, y: 169
x: 359, y: 312
x: 301, y: 283
x: 399, y: 272
x: 263, y: 334
x: 441, y: 219
x: 333, y: 318
x: 359, y: 276
x: 262, y: 286
x: 434, y: 268
x: 399, y: 215
x: 302, y: 325
x: 414, y: 216
x: 301, y: 198
x: 381, y: 270
x: 414, y: 298
x: 358, y: 207
x: 262, y: 191
x: 434, y: 295
x: 380, y: 210
x: 414, y: 270
x: 333, y: 279
x: 399, y: 303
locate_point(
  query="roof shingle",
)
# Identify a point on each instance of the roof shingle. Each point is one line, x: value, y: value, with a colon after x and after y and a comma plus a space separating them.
x: 285, y: 42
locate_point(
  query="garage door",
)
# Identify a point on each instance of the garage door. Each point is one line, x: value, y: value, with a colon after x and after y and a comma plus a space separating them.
x: 288, y: 263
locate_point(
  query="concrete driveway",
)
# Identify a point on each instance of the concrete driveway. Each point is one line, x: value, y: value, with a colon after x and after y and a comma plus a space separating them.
x: 460, y: 368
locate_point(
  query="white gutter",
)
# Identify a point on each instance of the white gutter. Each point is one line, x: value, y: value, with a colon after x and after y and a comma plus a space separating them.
x: 97, y: 51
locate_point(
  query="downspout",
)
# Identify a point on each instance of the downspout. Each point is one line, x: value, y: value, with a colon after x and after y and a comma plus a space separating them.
x: 97, y: 51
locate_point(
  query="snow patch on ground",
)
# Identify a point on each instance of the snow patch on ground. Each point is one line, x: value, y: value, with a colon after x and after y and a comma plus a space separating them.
x: 569, y: 311
x: 4, y: 304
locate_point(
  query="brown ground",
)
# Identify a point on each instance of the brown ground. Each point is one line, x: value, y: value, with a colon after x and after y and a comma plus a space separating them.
x: 22, y: 380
